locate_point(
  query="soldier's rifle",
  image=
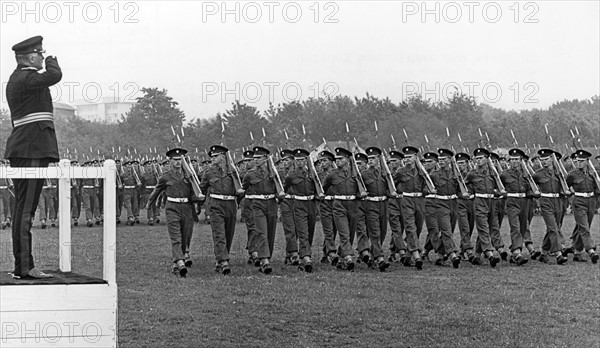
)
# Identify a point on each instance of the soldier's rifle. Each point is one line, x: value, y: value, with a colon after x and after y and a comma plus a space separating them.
x: 327, y: 147
x: 496, y: 176
x: 187, y: 168
x: 589, y: 163
x: 421, y: 169
x: 457, y: 174
x: 274, y: 174
x: 526, y: 170
x: 355, y: 172
x: 315, y: 176
x: 560, y: 169
x: 235, y: 175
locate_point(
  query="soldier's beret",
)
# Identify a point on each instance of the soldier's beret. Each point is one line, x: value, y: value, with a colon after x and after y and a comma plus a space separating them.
x: 430, y: 156
x: 494, y: 156
x: 176, y: 152
x: 194, y: 160
x: 31, y: 45
x: 410, y: 150
x: 445, y: 153
x: 516, y: 153
x: 286, y: 153
x: 481, y: 152
x: 373, y: 151
x: 248, y: 155
x: 147, y: 162
x: 326, y: 155
x: 340, y: 152
x: 396, y: 154
x: 361, y: 157
x: 461, y: 156
x: 543, y: 153
x: 74, y: 162
x: 260, y: 151
x: 582, y: 154
x: 558, y: 155
x: 301, y: 153
x: 206, y: 161
x: 165, y: 162
x: 217, y: 150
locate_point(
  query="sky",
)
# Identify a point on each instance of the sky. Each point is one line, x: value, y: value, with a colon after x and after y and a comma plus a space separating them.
x: 508, y: 54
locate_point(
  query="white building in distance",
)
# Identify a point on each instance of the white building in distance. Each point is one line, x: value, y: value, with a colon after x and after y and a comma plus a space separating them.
x: 108, y: 110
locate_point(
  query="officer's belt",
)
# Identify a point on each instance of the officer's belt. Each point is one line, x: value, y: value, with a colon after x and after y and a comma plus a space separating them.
x: 129, y: 187
x: 329, y: 198
x: 262, y: 197
x: 33, y: 117
x: 515, y: 195
x: 375, y: 198
x: 412, y: 194
x: 584, y: 194
x: 549, y: 195
x: 484, y: 195
x: 345, y: 198
x: 88, y: 186
x: 222, y: 197
x: 150, y: 187
x: 177, y: 200
x: 302, y: 198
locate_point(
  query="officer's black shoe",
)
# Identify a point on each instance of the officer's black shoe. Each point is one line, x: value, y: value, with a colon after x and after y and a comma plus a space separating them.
x: 183, y: 271
x: 188, y: 262
x: 53, y: 224
x: 543, y: 259
x: 7, y: 223
x: 419, y: 263
x: 561, y: 260
x: 265, y: 268
x: 455, y: 261
x: 503, y: 255
x: 594, y: 258
x: 43, y: 226
x: 520, y: 260
x: 494, y: 260
x: 137, y: 221
x: 256, y: 262
x: 250, y: 260
x: 151, y: 223
x: 535, y: 254
x: 578, y: 258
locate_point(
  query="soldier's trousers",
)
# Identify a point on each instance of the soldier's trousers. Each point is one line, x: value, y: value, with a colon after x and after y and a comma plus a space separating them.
x: 305, y: 218
x: 552, y: 211
x: 222, y: 223
x: 46, y: 205
x: 248, y: 215
x: 396, y: 224
x: 412, y: 212
x: 265, y: 220
x: 446, y: 213
x: 531, y: 204
x: 345, y: 215
x: 517, y: 209
x: 584, y: 209
x: 466, y: 223
x: 180, y: 224
x: 329, y: 228
x: 130, y: 202
x: 5, y: 205
x: 90, y: 203
x: 432, y: 241
x: 500, y: 210
x: 486, y: 221
x: 376, y: 214
x: 289, y: 229
x: 27, y: 193
x: 154, y: 211
x: 75, y: 203
x: 119, y: 202
x: 362, y: 238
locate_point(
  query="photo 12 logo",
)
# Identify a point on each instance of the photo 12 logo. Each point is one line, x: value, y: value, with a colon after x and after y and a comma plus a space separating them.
x: 69, y: 12
x: 469, y: 12
x: 254, y: 92
x: 490, y: 92
x: 270, y: 12
x: 50, y: 332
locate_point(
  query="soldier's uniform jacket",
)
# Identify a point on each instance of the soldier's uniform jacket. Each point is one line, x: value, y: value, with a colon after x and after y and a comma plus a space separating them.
x: 445, y: 182
x: 27, y: 93
x: 127, y: 178
x: 547, y: 180
x: 149, y: 180
x: 481, y: 181
x: 410, y: 180
x: 299, y: 182
x: 322, y: 176
x: 258, y: 182
x: 375, y: 182
x: 175, y: 185
x: 341, y: 182
x: 515, y: 181
x: 581, y: 182
x: 219, y: 182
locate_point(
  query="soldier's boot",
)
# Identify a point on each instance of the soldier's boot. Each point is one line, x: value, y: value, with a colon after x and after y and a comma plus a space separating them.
x: 8, y: 222
x: 43, y: 224
x: 308, y: 267
x: 137, y: 220
x: 225, y: 269
x: 455, y: 260
x: 382, y: 265
x: 90, y: 223
x: 418, y: 260
x: 52, y: 223
x: 187, y: 260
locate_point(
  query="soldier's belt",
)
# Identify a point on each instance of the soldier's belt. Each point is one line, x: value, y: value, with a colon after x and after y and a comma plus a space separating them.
x: 47, y: 187
x: 303, y: 198
x: 578, y: 194
x: 375, y: 198
x: 288, y: 196
x: 515, y: 195
x: 549, y: 195
x: 471, y: 196
x: 484, y: 195
x: 150, y: 187
x: 431, y: 196
x: 329, y: 198
x: 85, y: 186
x: 446, y: 197
x: 262, y: 197
x: 33, y: 117
x: 3, y: 187
x: 345, y: 198
x: 222, y: 197
x: 129, y: 187
x: 412, y: 194
x: 177, y: 200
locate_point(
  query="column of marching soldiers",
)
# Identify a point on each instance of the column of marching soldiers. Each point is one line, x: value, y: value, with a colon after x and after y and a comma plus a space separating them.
x: 356, y: 194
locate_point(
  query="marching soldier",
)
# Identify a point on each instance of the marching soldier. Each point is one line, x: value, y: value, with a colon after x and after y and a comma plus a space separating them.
x: 286, y: 165
x: 500, y: 200
x: 397, y: 244
x: 46, y: 207
x: 551, y: 206
x: 362, y: 238
x: 326, y: 159
x: 260, y: 190
x: 247, y: 215
x: 75, y: 186
x: 149, y: 181
x: 130, y: 197
x: 89, y: 198
x: 466, y: 213
x: 585, y: 189
x: 301, y: 188
x: 179, y: 210
x: 481, y: 183
x: 119, y: 194
x: 430, y: 163
x: 218, y: 183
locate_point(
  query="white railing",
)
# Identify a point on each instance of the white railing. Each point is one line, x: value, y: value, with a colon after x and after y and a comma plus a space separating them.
x: 64, y: 172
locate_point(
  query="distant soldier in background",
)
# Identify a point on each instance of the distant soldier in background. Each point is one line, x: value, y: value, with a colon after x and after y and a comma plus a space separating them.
x: 362, y: 238
x: 46, y: 208
x: 89, y: 198
x: 247, y: 215
x: 430, y: 162
x: 130, y: 194
x: 397, y: 244
x: 325, y: 162
x: 286, y: 208
x: 149, y: 181
x: 466, y: 213
x: 75, y: 187
x: 119, y: 189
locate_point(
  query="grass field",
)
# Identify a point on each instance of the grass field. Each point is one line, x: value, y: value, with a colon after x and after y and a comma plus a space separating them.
x: 536, y: 305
